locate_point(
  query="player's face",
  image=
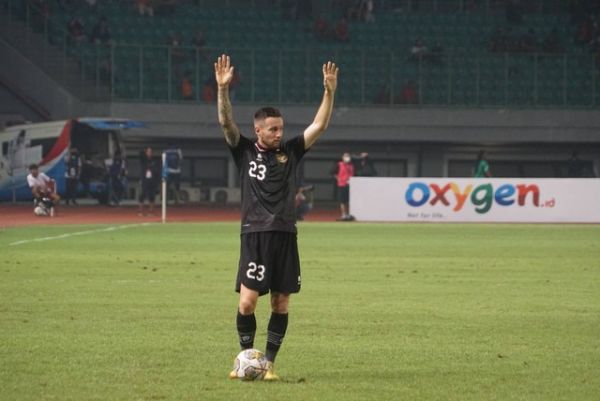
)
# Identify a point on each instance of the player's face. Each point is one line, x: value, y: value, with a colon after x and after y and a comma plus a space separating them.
x: 34, y: 172
x: 269, y: 132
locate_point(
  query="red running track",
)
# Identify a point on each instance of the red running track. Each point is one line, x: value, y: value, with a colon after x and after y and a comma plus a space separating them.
x: 21, y: 214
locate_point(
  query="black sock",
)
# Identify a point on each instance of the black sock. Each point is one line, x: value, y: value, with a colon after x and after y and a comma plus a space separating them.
x: 276, y: 331
x: 246, y: 327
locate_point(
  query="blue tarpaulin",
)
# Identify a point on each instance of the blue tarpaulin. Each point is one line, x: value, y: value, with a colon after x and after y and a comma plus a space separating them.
x: 104, y: 124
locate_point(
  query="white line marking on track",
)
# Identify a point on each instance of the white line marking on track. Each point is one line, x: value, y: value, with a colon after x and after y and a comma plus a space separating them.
x: 67, y: 235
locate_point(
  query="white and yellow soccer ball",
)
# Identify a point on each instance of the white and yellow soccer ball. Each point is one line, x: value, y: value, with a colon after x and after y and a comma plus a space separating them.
x: 250, y: 364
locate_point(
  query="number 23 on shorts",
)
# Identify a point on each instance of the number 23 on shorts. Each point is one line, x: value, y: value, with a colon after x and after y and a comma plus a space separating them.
x: 255, y: 272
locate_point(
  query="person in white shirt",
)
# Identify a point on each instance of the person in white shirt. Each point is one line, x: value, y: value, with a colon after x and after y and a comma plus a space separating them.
x: 41, y: 184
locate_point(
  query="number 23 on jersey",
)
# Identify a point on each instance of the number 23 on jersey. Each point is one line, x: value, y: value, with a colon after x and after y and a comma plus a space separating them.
x: 258, y: 171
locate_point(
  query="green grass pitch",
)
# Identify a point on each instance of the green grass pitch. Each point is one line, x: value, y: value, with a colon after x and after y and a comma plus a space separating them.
x: 387, y: 312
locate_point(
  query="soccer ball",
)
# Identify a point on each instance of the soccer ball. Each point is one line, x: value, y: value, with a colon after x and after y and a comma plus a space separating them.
x: 250, y: 364
x: 40, y: 211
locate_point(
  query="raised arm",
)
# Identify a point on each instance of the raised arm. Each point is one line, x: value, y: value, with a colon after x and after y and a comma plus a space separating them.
x: 223, y: 76
x: 321, y: 121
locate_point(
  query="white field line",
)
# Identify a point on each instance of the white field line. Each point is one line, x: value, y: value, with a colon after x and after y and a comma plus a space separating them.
x: 67, y: 235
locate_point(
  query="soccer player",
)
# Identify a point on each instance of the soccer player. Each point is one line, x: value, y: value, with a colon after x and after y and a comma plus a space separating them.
x: 269, y: 260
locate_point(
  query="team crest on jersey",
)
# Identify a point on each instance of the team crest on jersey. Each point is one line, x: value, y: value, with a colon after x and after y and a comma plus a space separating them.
x: 281, y: 157
x: 259, y: 157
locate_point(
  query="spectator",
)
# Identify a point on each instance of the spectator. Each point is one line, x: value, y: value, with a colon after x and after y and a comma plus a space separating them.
x: 352, y: 10
x: 321, y: 28
x: 209, y: 90
x: 365, y: 11
x: 383, y: 96
x: 235, y: 83
x: 41, y: 13
x: 594, y: 43
x: 87, y: 171
x: 145, y: 7
x: 76, y: 29
x: 343, y: 171
x: 101, y: 32
x: 341, y: 32
x: 584, y: 31
x: 408, y: 94
x: 148, y: 182
x: 92, y: 5
x: 108, y: 71
x: 418, y: 50
x: 187, y: 88
x: 174, y: 42
x: 72, y: 175
x: 482, y: 167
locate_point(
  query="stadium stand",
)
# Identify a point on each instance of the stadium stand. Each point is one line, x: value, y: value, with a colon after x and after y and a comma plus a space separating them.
x: 476, y: 52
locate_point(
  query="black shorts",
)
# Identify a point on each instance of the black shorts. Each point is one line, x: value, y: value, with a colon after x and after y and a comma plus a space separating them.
x: 174, y: 180
x: 269, y: 261
x: 148, y: 190
x: 344, y: 194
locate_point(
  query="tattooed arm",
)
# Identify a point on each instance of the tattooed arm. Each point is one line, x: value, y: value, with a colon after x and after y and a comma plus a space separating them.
x: 321, y: 121
x: 223, y: 76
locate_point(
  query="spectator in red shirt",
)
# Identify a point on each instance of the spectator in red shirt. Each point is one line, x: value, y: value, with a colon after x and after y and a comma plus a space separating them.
x: 409, y: 95
x: 321, y: 28
x: 341, y: 30
x: 343, y: 171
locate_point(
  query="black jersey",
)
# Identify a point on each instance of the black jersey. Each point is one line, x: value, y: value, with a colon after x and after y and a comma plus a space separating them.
x: 268, y: 181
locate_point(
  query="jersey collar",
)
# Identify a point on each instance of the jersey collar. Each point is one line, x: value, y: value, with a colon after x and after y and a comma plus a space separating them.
x: 261, y: 149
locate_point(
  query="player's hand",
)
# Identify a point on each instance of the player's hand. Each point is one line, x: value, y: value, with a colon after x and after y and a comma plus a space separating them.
x: 330, y: 73
x: 223, y: 71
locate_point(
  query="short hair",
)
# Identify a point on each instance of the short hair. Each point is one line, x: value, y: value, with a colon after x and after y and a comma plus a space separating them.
x: 33, y: 166
x: 264, y: 112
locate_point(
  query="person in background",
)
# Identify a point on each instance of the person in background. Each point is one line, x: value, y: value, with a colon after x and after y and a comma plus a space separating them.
x: 42, y: 187
x: 145, y: 7
x: 101, y: 32
x: 174, y: 157
x: 187, y: 87
x: 72, y: 175
x: 304, y: 200
x: 117, y: 173
x: 365, y: 167
x: 482, y: 167
x: 344, y: 170
x: 148, y: 182
x: 87, y: 172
